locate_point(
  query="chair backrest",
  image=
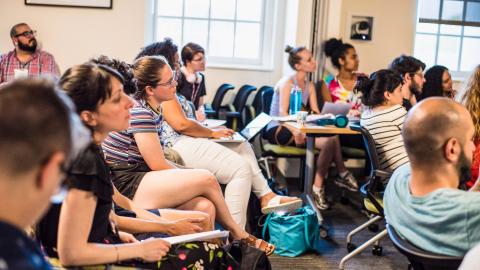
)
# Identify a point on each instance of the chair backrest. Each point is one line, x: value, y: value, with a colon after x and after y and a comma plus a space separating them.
x: 241, y: 97
x: 220, y: 94
x: 258, y: 104
x: 267, y: 97
x: 421, y: 259
x: 370, y: 146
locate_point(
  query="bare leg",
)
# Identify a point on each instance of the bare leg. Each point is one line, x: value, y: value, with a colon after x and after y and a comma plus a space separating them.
x: 327, y: 147
x: 337, y: 157
x: 201, y: 208
x: 172, y: 188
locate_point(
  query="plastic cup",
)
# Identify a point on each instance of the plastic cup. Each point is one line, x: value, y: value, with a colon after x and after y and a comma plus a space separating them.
x: 301, y: 117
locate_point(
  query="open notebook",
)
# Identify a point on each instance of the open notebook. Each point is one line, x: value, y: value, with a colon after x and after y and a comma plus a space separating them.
x: 252, y: 129
x: 196, y: 237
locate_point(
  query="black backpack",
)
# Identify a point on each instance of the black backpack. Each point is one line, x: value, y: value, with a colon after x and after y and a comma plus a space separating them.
x: 248, y: 257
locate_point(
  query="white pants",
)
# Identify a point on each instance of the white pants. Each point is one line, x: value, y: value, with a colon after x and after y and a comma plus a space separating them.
x: 234, y: 164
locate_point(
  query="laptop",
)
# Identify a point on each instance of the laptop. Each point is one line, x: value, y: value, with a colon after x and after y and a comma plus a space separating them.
x: 336, y: 108
x: 250, y: 131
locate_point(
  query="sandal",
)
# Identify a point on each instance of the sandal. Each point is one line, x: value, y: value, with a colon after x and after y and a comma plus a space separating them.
x: 259, y: 244
x: 274, y: 205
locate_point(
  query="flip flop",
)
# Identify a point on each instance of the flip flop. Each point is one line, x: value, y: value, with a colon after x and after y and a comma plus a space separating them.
x: 274, y: 205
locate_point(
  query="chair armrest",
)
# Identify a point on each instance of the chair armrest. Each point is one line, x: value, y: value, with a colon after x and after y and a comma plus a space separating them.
x: 233, y: 114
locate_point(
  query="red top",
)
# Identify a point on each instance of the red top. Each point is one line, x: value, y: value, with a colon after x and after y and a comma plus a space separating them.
x: 475, y: 163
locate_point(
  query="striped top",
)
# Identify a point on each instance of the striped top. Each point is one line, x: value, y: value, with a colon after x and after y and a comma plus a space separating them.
x: 385, y: 127
x: 120, y: 147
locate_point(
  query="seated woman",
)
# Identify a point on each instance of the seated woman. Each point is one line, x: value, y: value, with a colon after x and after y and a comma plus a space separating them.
x: 301, y: 60
x: 191, y: 82
x: 88, y: 230
x: 136, y: 157
x: 438, y: 83
x: 470, y: 97
x: 184, y: 135
x: 341, y: 87
x: 384, y: 117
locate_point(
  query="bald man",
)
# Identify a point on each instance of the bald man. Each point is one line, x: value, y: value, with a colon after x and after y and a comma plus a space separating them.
x: 422, y: 201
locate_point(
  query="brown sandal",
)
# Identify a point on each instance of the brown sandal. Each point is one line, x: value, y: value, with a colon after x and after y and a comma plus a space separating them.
x: 259, y: 244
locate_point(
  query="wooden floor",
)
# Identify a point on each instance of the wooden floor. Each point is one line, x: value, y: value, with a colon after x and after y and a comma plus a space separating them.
x: 341, y: 219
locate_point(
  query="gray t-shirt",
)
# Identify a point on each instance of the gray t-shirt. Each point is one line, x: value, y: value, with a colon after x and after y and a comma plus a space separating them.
x: 446, y: 221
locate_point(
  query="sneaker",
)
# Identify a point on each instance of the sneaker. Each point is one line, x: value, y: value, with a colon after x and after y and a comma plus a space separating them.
x: 320, y: 199
x: 348, y: 182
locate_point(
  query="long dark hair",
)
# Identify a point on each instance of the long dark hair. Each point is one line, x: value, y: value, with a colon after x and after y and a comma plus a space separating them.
x: 433, y: 85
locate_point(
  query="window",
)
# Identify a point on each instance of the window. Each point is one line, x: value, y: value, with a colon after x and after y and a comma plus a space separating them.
x: 448, y: 34
x: 234, y: 33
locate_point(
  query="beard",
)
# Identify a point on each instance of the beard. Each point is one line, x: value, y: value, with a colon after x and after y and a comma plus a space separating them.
x: 26, y: 47
x: 415, y: 89
x: 463, y: 170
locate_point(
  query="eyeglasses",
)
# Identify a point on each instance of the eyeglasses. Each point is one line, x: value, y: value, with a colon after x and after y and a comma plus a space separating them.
x: 420, y: 74
x: 199, y: 59
x: 171, y: 83
x: 27, y: 34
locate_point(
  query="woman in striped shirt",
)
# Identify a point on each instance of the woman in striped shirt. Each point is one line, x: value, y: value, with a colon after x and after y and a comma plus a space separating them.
x: 384, y: 116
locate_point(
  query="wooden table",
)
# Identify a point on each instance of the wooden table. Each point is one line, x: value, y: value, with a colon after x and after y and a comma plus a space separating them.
x: 311, y: 131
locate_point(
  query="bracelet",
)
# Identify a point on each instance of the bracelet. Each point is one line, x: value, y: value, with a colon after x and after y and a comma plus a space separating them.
x: 118, y: 254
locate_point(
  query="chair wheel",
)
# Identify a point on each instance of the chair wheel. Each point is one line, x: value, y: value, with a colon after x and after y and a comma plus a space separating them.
x: 351, y: 247
x: 323, y: 232
x: 373, y: 227
x: 377, y: 250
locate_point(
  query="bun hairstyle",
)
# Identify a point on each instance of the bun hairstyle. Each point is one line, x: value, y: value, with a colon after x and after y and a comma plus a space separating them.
x: 293, y: 57
x: 336, y: 49
x: 373, y: 88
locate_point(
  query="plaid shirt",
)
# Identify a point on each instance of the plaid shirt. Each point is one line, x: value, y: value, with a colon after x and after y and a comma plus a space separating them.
x: 41, y: 63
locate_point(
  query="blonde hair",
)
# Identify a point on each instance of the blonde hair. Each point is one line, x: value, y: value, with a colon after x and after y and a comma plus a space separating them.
x: 471, y: 99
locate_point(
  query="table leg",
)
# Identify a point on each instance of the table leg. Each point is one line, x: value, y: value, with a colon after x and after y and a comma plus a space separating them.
x: 309, y: 175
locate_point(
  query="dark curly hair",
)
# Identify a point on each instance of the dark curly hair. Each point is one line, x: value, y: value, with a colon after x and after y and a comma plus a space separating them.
x: 336, y: 49
x: 433, y: 82
x: 406, y: 64
x: 373, y: 88
x: 293, y: 57
x: 130, y: 83
x: 166, y: 48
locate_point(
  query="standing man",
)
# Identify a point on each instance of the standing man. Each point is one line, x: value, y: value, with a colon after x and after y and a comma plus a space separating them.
x: 25, y: 60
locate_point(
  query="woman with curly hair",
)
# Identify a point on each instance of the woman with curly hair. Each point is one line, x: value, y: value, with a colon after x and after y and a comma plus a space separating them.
x: 471, y: 100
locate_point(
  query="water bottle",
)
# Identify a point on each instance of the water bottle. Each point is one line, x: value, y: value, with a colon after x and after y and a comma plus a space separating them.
x: 295, y: 100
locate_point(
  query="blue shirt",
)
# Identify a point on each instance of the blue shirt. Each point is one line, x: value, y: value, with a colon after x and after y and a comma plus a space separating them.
x: 18, y: 251
x: 445, y: 221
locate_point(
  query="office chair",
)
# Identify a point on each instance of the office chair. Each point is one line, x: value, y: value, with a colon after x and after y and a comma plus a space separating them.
x: 235, y: 111
x: 372, y: 194
x: 212, y: 110
x: 420, y: 259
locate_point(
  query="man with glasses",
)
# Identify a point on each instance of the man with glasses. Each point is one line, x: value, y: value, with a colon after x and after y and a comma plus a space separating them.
x: 411, y: 70
x: 26, y: 60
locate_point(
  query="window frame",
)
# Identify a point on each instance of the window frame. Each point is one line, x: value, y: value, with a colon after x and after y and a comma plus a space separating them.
x: 456, y: 74
x: 264, y: 62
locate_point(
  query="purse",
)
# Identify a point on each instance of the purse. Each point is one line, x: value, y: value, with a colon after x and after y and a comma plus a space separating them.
x: 292, y: 233
x: 248, y: 257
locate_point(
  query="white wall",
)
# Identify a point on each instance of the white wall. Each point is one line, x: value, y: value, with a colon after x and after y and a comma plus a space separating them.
x: 73, y: 35
x: 393, y: 30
